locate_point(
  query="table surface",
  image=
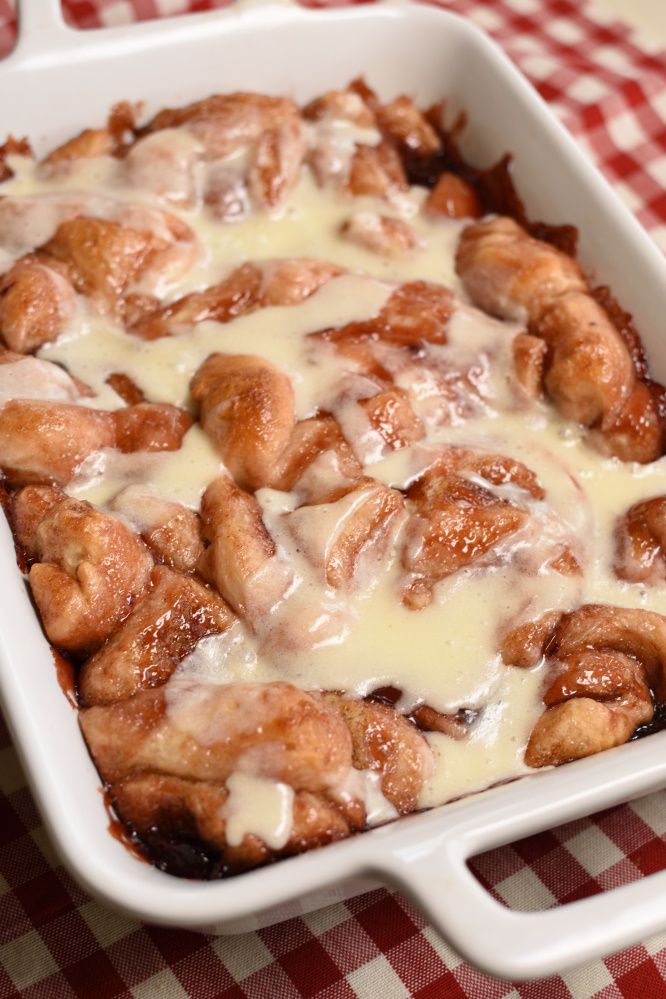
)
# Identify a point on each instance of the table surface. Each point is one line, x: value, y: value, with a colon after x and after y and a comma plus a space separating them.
x: 648, y: 16
x: 56, y: 943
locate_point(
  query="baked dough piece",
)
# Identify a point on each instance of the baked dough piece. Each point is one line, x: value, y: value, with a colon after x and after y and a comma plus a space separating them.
x: 268, y: 129
x: 172, y: 531
x: 241, y: 558
x: 177, y: 748
x: 89, y: 567
x: 101, y: 258
x: 206, y: 731
x: 247, y: 409
x: 36, y: 300
x: 415, y: 312
x: 640, y: 543
x: 247, y: 288
x: 606, y: 668
x: 164, y: 626
x: 44, y: 441
x: 457, y: 518
x: 387, y: 743
x: 587, y: 369
x: 185, y: 824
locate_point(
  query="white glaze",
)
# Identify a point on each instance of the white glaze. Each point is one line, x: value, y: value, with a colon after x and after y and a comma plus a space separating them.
x: 446, y: 654
x: 259, y: 807
x: 365, y: 786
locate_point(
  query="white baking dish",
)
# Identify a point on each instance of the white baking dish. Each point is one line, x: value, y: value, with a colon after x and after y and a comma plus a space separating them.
x: 58, y: 81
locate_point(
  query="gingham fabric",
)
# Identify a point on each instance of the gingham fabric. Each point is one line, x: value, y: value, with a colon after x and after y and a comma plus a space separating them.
x: 609, y: 88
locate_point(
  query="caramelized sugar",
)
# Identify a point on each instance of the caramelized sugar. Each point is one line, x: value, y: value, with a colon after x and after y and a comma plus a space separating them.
x: 66, y: 675
x: 120, y: 832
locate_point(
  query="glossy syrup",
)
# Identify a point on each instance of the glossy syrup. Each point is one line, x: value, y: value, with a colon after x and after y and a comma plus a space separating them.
x: 66, y: 676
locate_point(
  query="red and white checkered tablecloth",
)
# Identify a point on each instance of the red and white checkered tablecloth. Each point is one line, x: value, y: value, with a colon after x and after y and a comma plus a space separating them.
x: 609, y: 88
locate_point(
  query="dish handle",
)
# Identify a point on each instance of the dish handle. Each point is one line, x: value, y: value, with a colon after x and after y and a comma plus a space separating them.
x: 43, y: 31
x: 430, y: 863
x: 41, y: 26
x: 520, y: 945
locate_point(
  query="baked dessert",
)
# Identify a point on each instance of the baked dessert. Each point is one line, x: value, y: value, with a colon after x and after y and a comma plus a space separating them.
x: 335, y: 478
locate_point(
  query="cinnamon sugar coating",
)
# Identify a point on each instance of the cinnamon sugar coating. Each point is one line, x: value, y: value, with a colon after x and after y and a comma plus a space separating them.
x: 587, y: 370
x: 605, y: 668
x: 641, y: 543
x: 44, y: 441
x: 272, y: 730
x: 88, y: 569
x: 165, y: 624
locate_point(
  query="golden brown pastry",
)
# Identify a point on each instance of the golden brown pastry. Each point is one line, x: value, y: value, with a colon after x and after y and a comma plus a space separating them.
x: 417, y: 311
x: 456, y: 520
x: 173, y: 532
x: 206, y: 731
x: 452, y: 198
x: 385, y: 742
x: 162, y: 806
x: 247, y: 409
x: 226, y: 122
x: 169, y: 812
x: 240, y: 559
x: 249, y: 287
x: 605, y: 666
x: 587, y: 368
x: 380, y: 234
x: 376, y: 171
x: 365, y: 521
x: 164, y: 626
x: 36, y: 300
x: 45, y: 441
x: 88, y: 567
x: 340, y: 105
x: 511, y: 275
x: 640, y: 541
x: 269, y: 128
x: 317, y: 443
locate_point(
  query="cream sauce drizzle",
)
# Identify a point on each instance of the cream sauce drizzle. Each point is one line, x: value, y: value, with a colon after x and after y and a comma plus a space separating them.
x: 306, y: 225
x: 180, y: 475
x: 357, y: 640
x: 164, y: 368
x: 365, y: 786
x: 259, y: 807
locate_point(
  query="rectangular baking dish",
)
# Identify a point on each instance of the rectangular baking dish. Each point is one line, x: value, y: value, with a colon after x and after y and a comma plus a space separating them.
x: 58, y: 81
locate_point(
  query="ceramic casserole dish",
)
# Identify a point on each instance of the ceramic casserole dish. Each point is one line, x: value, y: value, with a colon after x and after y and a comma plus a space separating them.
x: 56, y: 82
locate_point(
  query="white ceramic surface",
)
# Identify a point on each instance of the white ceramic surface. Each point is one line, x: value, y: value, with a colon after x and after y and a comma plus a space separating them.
x: 58, y: 81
